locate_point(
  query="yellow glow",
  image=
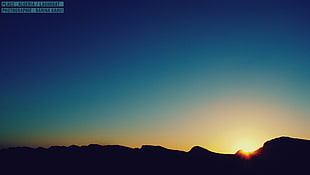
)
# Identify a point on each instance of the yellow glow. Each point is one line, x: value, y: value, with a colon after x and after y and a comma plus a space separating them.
x: 247, y: 146
x: 230, y: 124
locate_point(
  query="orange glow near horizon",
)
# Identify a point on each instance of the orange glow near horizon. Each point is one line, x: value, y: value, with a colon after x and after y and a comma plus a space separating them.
x: 247, y: 154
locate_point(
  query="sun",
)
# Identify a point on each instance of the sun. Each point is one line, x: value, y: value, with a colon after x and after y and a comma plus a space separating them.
x: 247, y: 155
x: 247, y: 150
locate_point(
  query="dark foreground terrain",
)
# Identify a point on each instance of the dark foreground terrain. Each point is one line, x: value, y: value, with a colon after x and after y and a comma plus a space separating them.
x: 282, y: 155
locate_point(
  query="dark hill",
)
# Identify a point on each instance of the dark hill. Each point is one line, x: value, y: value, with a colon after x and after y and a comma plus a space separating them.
x: 282, y: 155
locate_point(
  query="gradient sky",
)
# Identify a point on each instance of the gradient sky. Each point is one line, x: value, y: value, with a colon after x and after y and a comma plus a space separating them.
x: 225, y: 75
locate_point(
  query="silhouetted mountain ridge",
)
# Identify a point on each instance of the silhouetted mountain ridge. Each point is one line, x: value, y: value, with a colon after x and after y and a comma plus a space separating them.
x: 283, y: 155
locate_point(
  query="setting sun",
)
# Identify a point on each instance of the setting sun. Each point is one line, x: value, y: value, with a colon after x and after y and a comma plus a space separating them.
x: 247, y: 155
x: 247, y: 149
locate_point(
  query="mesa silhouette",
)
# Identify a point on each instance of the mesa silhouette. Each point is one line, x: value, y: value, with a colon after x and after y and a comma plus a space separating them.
x: 282, y: 155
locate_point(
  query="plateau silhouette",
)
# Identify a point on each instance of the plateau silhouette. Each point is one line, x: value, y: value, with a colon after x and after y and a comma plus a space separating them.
x: 283, y: 155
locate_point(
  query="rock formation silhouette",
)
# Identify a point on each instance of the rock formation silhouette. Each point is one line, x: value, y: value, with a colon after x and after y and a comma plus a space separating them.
x: 282, y: 155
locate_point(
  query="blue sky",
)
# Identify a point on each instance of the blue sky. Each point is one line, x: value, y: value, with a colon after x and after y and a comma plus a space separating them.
x: 109, y: 71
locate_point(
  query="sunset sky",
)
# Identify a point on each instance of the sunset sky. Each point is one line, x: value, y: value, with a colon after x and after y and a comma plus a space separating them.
x: 222, y: 74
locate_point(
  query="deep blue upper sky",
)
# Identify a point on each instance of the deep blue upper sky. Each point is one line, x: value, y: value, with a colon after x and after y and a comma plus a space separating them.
x: 107, y: 71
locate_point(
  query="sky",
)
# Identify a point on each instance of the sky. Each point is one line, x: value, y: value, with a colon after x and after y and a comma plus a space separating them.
x: 225, y: 75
